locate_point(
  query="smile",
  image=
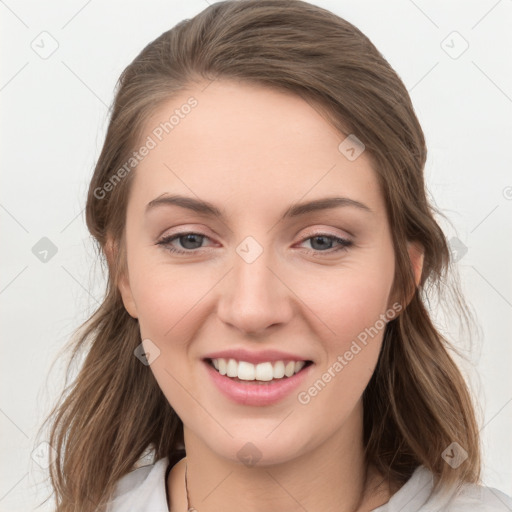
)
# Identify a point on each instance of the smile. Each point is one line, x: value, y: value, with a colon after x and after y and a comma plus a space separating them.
x: 250, y: 390
x: 265, y: 371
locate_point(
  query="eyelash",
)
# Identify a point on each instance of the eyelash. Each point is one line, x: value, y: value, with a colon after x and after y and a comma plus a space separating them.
x: 166, y: 243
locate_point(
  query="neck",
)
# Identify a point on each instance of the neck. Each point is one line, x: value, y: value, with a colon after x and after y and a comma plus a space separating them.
x: 330, y: 477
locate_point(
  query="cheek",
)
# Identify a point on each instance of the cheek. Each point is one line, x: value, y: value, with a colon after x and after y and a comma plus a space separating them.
x: 168, y: 298
x: 352, y: 308
x: 348, y: 301
x: 170, y: 311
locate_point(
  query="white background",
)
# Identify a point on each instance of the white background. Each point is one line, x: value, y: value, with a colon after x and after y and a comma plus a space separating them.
x: 54, y: 119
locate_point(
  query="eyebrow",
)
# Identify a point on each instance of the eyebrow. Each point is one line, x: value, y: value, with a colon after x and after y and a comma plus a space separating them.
x: 206, y: 208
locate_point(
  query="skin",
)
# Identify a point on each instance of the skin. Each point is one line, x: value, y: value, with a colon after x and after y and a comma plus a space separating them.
x: 253, y: 152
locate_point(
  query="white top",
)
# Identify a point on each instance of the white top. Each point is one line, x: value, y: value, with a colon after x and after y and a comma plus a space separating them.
x: 144, y: 490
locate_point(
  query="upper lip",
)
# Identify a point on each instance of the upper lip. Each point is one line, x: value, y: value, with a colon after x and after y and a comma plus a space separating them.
x: 261, y: 356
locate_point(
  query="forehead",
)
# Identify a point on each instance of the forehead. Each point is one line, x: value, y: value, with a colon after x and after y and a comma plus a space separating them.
x: 251, y: 142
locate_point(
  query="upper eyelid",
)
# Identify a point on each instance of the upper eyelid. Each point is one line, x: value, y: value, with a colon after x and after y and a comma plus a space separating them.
x: 311, y: 234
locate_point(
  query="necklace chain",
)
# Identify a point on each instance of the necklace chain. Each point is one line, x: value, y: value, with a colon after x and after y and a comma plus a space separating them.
x: 189, y: 508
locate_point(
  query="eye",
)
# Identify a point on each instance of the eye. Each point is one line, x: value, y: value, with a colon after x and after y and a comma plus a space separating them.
x: 322, y: 243
x: 191, y: 242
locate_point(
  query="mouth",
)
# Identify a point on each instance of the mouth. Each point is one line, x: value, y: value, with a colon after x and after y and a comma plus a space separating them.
x: 263, y: 384
x: 261, y: 373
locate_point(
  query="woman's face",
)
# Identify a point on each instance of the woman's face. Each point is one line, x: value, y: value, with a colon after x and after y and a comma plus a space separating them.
x: 260, y: 274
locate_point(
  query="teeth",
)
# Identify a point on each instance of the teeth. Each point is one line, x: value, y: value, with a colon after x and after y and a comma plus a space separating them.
x: 232, y: 368
x: 289, y: 369
x: 278, y: 370
x: 262, y: 371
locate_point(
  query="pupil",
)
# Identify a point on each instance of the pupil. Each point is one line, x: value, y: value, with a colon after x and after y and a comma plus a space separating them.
x: 314, y: 239
x: 190, y: 239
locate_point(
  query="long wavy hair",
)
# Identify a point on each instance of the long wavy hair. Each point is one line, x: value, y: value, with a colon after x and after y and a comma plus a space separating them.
x: 113, y: 414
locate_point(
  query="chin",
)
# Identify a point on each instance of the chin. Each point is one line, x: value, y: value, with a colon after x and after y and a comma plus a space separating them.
x: 254, y: 446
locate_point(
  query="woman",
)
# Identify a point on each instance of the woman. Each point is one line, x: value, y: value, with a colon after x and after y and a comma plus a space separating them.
x: 261, y: 205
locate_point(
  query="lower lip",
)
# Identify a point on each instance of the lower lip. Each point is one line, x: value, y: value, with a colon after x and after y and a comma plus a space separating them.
x: 253, y: 393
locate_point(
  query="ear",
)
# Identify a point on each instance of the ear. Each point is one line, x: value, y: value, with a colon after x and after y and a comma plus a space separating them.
x: 123, y: 281
x: 416, y: 254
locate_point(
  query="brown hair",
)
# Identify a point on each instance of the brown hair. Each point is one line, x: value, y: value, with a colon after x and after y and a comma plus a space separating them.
x: 417, y: 402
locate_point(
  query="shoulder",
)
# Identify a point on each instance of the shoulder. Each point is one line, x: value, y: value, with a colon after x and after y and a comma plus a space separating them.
x: 416, y: 495
x: 142, y: 489
x: 467, y: 498
x: 480, y: 498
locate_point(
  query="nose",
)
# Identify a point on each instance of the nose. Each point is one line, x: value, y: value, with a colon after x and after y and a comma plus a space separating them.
x: 254, y: 296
